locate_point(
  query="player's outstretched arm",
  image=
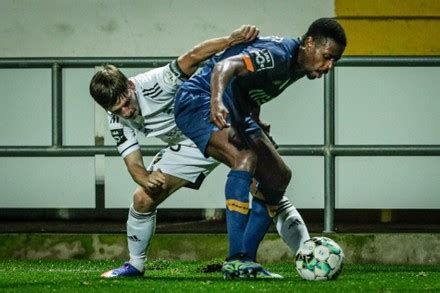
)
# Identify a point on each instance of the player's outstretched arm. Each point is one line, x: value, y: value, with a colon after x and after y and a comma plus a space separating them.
x: 189, y: 61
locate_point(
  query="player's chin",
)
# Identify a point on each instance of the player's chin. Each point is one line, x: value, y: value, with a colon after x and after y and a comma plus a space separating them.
x: 311, y: 76
x: 132, y: 115
x: 314, y: 74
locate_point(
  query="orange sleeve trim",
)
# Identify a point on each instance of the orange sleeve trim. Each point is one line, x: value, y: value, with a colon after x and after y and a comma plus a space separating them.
x: 248, y: 62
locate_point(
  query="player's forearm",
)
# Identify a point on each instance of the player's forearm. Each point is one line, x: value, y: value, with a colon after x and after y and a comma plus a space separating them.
x: 191, y: 60
x: 208, y: 48
x: 223, y: 73
x: 220, y: 78
x: 138, y: 174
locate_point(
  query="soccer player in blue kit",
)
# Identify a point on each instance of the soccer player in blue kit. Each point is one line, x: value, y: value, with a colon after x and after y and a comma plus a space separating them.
x: 218, y: 109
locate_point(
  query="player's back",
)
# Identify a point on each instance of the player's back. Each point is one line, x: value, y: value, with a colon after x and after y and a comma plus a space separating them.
x: 201, y: 82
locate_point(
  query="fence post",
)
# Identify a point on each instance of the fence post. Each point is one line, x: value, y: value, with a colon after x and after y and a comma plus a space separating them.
x: 329, y: 158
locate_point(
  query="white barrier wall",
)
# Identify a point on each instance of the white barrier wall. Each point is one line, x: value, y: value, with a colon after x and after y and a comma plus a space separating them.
x: 47, y: 182
x: 379, y: 105
x: 141, y: 27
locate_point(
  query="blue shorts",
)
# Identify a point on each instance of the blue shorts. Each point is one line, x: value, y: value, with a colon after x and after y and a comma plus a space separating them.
x: 192, y: 112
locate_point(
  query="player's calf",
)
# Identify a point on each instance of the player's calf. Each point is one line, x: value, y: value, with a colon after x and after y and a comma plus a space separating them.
x: 290, y: 225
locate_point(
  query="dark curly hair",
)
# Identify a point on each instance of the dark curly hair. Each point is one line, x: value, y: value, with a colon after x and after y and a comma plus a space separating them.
x: 324, y: 28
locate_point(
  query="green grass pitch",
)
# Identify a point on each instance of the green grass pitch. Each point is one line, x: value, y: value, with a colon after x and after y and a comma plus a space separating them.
x: 178, y: 276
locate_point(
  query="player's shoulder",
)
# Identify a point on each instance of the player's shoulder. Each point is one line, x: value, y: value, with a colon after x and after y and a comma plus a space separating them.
x: 149, y: 77
x: 166, y: 78
x: 271, y: 52
x: 276, y: 43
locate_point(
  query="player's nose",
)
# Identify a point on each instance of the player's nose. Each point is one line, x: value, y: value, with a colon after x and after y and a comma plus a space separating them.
x: 330, y: 64
x: 125, y: 112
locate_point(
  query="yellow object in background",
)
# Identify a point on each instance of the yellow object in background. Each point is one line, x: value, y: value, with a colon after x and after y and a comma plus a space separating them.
x: 386, y: 216
x: 390, y: 27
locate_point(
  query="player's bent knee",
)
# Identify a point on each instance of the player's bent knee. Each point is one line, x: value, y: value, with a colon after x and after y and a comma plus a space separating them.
x: 143, y: 201
x: 271, y: 196
x: 245, y: 160
x: 279, y: 180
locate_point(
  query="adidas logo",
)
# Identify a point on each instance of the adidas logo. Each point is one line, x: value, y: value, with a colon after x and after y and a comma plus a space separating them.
x: 296, y: 222
x: 133, y: 238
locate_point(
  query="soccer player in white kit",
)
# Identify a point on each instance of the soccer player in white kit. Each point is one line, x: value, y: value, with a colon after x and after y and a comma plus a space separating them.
x: 144, y: 104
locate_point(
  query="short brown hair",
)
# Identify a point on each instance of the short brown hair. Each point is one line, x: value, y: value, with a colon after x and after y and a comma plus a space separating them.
x: 107, y: 85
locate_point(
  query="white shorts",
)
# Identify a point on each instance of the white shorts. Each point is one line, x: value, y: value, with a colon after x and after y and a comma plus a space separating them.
x: 184, y: 161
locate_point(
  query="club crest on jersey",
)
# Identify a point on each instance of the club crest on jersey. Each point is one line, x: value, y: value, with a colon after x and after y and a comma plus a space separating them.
x: 263, y: 59
x: 118, y: 135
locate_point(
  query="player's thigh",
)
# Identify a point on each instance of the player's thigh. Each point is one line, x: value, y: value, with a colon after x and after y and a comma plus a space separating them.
x: 172, y: 184
x: 236, y: 157
x: 271, y: 169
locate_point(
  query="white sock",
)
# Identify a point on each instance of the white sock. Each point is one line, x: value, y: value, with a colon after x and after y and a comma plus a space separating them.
x: 290, y: 225
x: 140, y: 230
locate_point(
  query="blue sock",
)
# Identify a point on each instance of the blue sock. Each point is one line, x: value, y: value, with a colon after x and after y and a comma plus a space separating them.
x: 237, y: 208
x: 258, y: 223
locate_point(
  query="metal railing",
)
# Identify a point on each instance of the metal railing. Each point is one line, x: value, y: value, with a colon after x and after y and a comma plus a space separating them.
x: 329, y: 150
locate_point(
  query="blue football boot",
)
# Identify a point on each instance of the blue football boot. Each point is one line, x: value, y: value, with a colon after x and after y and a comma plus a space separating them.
x: 126, y: 270
x: 265, y: 274
x: 240, y: 266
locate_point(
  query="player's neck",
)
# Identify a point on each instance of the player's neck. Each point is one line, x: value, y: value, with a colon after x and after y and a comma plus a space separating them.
x: 298, y: 59
x: 135, y: 96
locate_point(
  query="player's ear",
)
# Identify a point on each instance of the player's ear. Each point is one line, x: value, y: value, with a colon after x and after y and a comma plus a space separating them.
x: 309, y: 42
x: 130, y: 84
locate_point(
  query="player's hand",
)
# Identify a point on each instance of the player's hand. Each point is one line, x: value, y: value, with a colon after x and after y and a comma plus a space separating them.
x: 155, y: 180
x: 219, y: 115
x: 246, y: 33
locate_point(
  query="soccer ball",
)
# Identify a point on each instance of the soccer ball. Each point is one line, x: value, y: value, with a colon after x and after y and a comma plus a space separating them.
x: 319, y: 258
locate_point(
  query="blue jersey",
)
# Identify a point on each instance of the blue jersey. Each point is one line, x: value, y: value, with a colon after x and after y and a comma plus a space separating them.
x: 270, y: 62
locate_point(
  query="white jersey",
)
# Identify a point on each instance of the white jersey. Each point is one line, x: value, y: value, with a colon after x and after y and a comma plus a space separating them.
x: 155, y: 91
